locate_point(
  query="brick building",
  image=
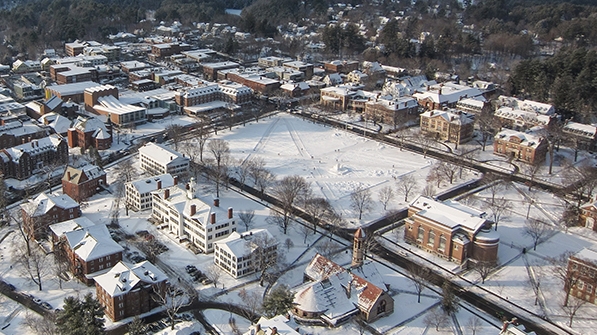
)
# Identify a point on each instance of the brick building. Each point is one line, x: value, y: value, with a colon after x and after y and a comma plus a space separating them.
x: 210, y: 70
x: 453, y: 126
x: 82, y: 183
x: 74, y: 92
x: 588, y: 215
x: 128, y: 289
x: 87, y: 247
x: 339, y: 66
x: 526, y: 147
x: 451, y: 230
x: 582, y: 273
x: 392, y: 111
x: 89, y: 132
x: 18, y: 132
x: 45, y: 210
x: 24, y: 160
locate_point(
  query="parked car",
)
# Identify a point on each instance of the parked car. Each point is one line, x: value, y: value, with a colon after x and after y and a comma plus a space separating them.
x: 37, y: 300
x: 46, y: 305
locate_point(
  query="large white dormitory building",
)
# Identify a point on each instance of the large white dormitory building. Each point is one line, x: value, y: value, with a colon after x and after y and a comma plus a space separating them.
x: 157, y: 159
x: 242, y: 254
x: 190, y: 218
x: 138, y: 192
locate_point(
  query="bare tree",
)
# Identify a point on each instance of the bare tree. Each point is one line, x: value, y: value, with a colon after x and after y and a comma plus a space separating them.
x: 305, y: 230
x: 175, y: 134
x: 570, y: 217
x: 434, y: 176
x: 407, y: 184
x: 137, y: 327
x: 483, y: 268
x: 568, y: 275
x: 126, y: 171
x: 247, y: 217
x: 436, y: 318
x: 214, y: 273
x: 290, y: 191
x: 498, y: 208
x: 221, y: 155
x: 267, y: 257
x: 572, y: 307
x: 262, y: 177
x: 360, y: 200
x: 423, y: 141
x: 115, y: 210
x: 251, y: 301
x: 318, y: 209
x: 41, y: 325
x: 243, y: 171
x: 553, y: 135
x: 428, y: 190
x: 60, y: 265
x: 33, y: 265
x: 189, y: 148
x: 531, y: 171
x: 151, y: 247
x: 488, y: 126
x: 288, y: 243
x: 171, y: 298
x: 385, y: 195
x: 328, y: 248
x: 49, y: 168
x: 202, y: 137
x: 474, y: 324
x: 419, y: 276
x: 449, y: 300
x: 448, y: 170
x: 537, y: 230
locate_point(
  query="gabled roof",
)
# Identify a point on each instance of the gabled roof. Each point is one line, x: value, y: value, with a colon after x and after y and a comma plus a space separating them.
x: 35, y: 147
x: 91, y: 171
x: 146, y: 185
x: 124, y: 277
x: 62, y: 227
x: 240, y: 245
x: 92, y: 242
x: 43, y: 203
x: 161, y: 154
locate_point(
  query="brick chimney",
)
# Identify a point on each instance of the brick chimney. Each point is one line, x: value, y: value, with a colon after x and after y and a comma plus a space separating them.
x: 193, y: 209
x: 230, y: 212
x: 175, y: 180
x: 68, y: 175
x: 159, y: 184
x: 213, y: 218
x: 166, y: 193
x: 217, y: 202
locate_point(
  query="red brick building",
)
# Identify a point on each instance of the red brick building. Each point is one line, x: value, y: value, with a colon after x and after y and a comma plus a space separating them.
x: 582, y: 274
x: 339, y: 66
x: 451, y: 230
x: 525, y: 147
x: 588, y: 215
x: 24, y: 160
x: 89, y: 132
x: 80, y: 184
x: 128, y: 289
x: 18, y: 132
x: 87, y: 247
x: 45, y: 210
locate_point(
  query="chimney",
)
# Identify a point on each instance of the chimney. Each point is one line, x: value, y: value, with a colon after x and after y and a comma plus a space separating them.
x: 175, y: 180
x: 193, y: 209
x: 159, y: 184
x: 213, y: 218
x: 166, y: 193
x: 230, y: 212
x: 217, y: 202
x: 68, y: 175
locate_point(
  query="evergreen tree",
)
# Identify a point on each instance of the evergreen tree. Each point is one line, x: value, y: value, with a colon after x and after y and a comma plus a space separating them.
x: 278, y: 302
x: 81, y: 317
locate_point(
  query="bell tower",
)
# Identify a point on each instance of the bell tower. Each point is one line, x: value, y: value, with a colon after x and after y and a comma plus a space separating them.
x: 358, y: 252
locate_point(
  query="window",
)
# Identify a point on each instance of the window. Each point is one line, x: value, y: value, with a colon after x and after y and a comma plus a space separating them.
x: 442, y: 243
x: 580, y: 285
x: 420, y: 234
x: 431, y: 238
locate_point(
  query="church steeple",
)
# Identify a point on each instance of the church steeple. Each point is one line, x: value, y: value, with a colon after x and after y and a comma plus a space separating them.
x: 358, y: 252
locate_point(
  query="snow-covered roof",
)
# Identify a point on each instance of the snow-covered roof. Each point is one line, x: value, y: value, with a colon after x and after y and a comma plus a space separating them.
x: 146, y: 185
x: 303, y: 86
x: 35, y: 147
x: 511, y: 113
x: 124, y: 277
x: 529, y: 139
x: 43, y: 203
x: 280, y: 322
x: 91, y: 171
x: 452, y: 117
x: 160, y: 153
x: 527, y: 105
x: 585, y: 130
x: 59, y: 123
x: 65, y: 226
x: 111, y: 104
x: 447, y: 93
x: 19, y: 128
x: 92, y: 242
x: 449, y: 213
x: 74, y: 88
x: 588, y: 255
x: 240, y: 245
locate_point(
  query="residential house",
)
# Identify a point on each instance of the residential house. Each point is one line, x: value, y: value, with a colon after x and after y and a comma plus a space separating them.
x: 582, y: 274
x: 82, y: 183
x: 24, y: 160
x: 278, y: 325
x: 242, y: 254
x: 191, y: 219
x: 332, y: 295
x: 453, y: 126
x: 87, y: 247
x: 88, y: 132
x: 336, y: 97
x: 138, y: 193
x: 295, y: 90
x: 526, y: 147
x: 158, y: 159
x: 127, y: 289
x: 451, y: 230
x: 44, y: 210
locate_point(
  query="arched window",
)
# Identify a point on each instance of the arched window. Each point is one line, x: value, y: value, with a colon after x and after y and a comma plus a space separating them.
x: 420, y: 234
x: 442, y: 243
x: 431, y: 239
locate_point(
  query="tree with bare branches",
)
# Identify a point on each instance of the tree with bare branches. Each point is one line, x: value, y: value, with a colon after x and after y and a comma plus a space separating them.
x: 33, y: 265
x: 247, y: 217
x: 428, y: 190
x: 407, y: 184
x: 266, y: 257
x: 448, y: 170
x: 419, y: 276
x: 569, y: 276
x: 361, y: 200
x: 488, y: 126
x: 251, y: 301
x: 537, y: 230
x: 290, y: 191
x: 220, y: 151
x: 41, y: 325
x: 171, y: 298
x: 436, y: 318
x: 483, y: 268
x: 174, y: 132
x: 126, y: 171
x: 498, y: 207
x: 318, y: 209
x: 385, y: 195
x: 572, y: 308
x: 202, y: 137
x: 423, y: 141
x: 327, y: 248
x: 243, y: 171
x: 262, y: 177
x: 214, y: 273
x: 474, y: 324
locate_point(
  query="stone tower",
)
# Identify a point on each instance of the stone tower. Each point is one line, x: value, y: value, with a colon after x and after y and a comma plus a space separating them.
x: 358, y: 248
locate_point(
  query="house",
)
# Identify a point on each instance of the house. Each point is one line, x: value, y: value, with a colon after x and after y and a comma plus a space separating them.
x: 157, y: 159
x: 336, y: 97
x: 332, y: 295
x: 39, y: 108
x: 241, y: 254
x: 138, y: 193
x: 333, y: 79
x: 305, y: 68
x: 87, y: 247
x: 24, y: 160
x: 451, y: 230
x: 582, y: 274
x: 272, y: 61
x: 128, y: 289
x: 44, y: 210
x: 357, y: 76
x: 445, y: 95
x: 279, y: 324
x: 88, y: 132
x: 526, y: 105
x: 295, y: 90
x: 453, y: 126
x: 58, y: 123
x: 526, y: 147
x: 477, y: 105
x: 190, y: 218
x: 81, y: 183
